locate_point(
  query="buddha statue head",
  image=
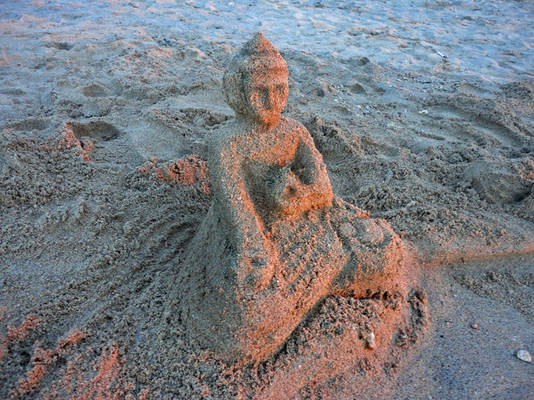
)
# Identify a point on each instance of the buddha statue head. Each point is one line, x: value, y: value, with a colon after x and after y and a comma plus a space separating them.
x: 255, y: 83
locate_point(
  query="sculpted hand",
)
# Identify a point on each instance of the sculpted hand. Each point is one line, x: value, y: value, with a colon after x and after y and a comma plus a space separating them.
x: 261, y: 258
x: 286, y: 190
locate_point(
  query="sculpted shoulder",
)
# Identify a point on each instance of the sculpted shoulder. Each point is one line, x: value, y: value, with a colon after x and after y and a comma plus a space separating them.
x: 225, y: 140
x: 289, y: 123
x: 291, y: 126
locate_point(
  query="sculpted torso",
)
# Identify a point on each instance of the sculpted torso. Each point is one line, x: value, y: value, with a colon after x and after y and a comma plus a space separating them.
x: 263, y: 166
x: 280, y: 163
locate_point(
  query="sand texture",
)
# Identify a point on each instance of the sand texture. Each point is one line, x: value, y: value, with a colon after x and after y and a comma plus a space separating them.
x: 423, y: 115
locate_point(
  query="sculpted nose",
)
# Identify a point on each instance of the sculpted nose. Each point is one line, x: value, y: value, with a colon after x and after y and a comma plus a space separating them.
x: 273, y: 98
x: 267, y: 98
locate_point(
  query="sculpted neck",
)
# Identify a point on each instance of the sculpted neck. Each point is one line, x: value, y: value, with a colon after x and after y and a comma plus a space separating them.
x: 249, y: 123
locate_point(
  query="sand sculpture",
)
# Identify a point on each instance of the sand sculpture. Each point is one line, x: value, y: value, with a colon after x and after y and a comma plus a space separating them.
x: 276, y: 240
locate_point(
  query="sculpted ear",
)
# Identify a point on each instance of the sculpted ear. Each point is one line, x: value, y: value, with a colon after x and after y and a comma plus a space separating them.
x: 234, y: 87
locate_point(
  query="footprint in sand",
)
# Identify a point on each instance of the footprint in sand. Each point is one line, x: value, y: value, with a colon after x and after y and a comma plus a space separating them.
x: 31, y: 124
x: 98, y: 130
x: 483, y: 130
x: 94, y: 90
x: 60, y: 45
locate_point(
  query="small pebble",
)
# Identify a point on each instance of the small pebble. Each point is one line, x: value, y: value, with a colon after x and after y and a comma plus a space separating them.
x: 474, y: 326
x: 371, y: 344
x: 524, y: 355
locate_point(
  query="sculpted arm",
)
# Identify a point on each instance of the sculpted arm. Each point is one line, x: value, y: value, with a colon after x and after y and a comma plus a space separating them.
x: 315, y: 168
x: 305, y: 184
x: 245, y: 229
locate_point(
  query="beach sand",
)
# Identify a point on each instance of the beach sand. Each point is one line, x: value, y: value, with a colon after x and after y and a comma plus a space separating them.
x: 424, y: 114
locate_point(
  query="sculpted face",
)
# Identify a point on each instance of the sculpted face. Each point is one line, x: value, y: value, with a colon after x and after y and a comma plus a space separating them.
x: 266, y: 95
x: 255, y: 83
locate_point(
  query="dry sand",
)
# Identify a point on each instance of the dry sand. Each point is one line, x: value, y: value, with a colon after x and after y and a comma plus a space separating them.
x: 424, y: 114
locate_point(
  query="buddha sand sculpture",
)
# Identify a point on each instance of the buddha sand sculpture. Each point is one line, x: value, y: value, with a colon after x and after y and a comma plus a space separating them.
x: 276, y: 240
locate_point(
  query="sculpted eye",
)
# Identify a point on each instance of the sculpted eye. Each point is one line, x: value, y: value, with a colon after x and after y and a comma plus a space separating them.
x: 265, y: 97
x: 255, y: 96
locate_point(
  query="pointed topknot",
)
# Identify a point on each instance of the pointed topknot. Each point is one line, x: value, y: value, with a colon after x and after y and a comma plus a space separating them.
x: 259, y: 46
